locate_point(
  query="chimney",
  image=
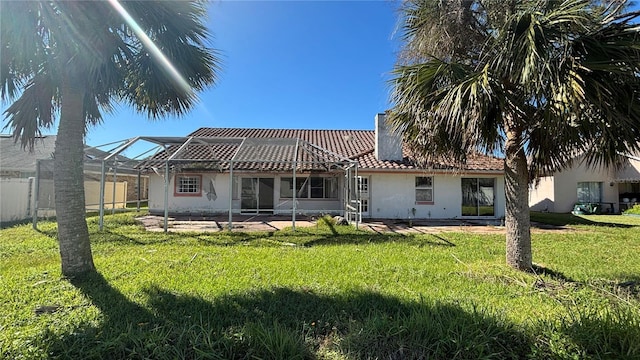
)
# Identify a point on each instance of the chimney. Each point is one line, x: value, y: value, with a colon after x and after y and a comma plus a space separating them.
x: 388, y: 143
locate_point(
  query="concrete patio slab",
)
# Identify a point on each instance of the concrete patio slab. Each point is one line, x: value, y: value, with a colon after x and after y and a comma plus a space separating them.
x: 249, y: 223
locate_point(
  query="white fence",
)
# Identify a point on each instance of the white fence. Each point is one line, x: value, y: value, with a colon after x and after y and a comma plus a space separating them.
x: 17, y: 198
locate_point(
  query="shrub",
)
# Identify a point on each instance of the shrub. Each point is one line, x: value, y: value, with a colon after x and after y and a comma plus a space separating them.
x: 635, y: 210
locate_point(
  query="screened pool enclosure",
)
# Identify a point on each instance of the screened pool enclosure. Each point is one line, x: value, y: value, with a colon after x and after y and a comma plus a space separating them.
x: 296, y: 162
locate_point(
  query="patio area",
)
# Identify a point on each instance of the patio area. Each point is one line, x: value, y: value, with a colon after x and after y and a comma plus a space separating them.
x: 270, y: 223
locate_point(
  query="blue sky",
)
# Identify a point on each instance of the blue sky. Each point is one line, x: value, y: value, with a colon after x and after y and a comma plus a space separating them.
x: 285, y: 64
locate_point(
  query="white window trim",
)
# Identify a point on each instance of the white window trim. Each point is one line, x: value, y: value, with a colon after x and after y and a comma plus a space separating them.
x: 424, y: 187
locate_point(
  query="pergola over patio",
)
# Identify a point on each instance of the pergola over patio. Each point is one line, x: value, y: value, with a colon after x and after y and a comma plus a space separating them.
x: 232, y: 154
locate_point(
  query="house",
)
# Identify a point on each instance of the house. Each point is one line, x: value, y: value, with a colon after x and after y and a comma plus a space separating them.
x: 614, y: 190
x: 363, y: 173
x: 18, y: 163
x: 23, y: 173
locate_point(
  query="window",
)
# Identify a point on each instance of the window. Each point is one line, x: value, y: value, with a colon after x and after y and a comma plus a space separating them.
x: 234, y: 189
x: 589, y: 192
x: 317, y: 188
x: 310, y: 187
x: 364, y: 205
x: 286, y: 188
x: 363, y: 184
x: 188, y: 185
x: 424, y: 189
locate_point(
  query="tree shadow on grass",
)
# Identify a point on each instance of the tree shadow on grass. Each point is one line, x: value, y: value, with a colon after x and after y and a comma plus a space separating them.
x: 556, y: 219
x: 282, y: 323
x: 318, y: 237
x: 369, y: 238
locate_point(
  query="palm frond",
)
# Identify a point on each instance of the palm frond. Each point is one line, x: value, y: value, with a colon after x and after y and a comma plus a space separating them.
x: 32, y: 111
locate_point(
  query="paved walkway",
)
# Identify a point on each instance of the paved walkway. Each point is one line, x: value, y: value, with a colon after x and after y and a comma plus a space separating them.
x: 245, y: 223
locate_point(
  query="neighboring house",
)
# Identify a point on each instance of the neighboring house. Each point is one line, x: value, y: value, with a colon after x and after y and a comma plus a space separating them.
x: 18, y: 179
x: 278, y: 171
x: 579, y: 184
x: 18, y: 163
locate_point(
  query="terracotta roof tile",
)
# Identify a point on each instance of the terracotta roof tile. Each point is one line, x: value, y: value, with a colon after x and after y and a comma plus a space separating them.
x: 353, y: 144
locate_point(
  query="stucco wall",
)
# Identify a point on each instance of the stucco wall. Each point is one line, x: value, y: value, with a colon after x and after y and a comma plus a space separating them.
x: 195, y: 204
x: 190, y: 204
x: 566, y: 184
x: 542, y: 195
x: 391, y: 196
x: 563, y: 192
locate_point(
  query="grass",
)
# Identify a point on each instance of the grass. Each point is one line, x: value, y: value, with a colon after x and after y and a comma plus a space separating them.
x: 327, y: 292
x: 635, y: 210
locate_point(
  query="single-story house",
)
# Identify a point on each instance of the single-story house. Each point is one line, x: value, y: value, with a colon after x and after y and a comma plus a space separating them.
x: 366, y: 173
x: 25, y: 172
x: 614, y: 190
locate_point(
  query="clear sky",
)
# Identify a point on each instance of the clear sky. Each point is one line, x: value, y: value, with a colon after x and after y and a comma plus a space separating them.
x: 285, y: 64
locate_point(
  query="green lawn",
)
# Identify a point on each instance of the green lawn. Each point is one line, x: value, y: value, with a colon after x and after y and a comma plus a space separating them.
x: 326, y: 292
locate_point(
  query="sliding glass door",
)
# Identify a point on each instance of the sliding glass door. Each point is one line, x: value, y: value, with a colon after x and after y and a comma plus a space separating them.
x: 256, y: 195
x: 478, y: 196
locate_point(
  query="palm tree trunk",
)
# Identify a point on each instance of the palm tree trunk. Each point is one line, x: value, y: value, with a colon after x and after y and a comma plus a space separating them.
x: 68, y: 180
x: 517, y: 221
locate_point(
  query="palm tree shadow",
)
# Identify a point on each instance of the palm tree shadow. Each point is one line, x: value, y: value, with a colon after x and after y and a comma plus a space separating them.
x: 253, y: 324
x: 170, y: 321
x: 549, y: 220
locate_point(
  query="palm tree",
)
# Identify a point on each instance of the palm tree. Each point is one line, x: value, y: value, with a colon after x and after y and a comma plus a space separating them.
x: 73, y: 59
x: 538, y: 81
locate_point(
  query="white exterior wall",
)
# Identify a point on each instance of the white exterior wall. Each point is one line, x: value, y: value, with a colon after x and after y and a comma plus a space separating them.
x: 563, y: 194
x: 542, y: 195
x: 195, y: 204
x: 190, y: 204
x: 392, y: 196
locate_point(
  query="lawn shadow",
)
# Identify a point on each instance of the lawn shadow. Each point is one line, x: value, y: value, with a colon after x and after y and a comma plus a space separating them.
x: 281, y: 323
x: 299, y: 323
x: 317, y: 236
x: 564, y: 219
x: 555, y: 275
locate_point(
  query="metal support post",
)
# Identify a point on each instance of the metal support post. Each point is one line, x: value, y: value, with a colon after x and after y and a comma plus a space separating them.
x: 102, y: 185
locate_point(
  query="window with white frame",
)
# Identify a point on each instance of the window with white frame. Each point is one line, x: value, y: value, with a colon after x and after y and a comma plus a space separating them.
x: 310, y: 188
x: 364, y: 205
x: 363, y: 184
x: 188, y: 185
x: 424, y: 189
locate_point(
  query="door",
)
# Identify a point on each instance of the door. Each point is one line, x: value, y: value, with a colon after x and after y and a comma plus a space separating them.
x: 265, y: 195
x: 256, y: 195
x: 363, y: 190
x: 478, y: 196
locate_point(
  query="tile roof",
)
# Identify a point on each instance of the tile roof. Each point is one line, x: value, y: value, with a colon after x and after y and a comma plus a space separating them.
x: 269, y: 144
x: 14, y: 157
